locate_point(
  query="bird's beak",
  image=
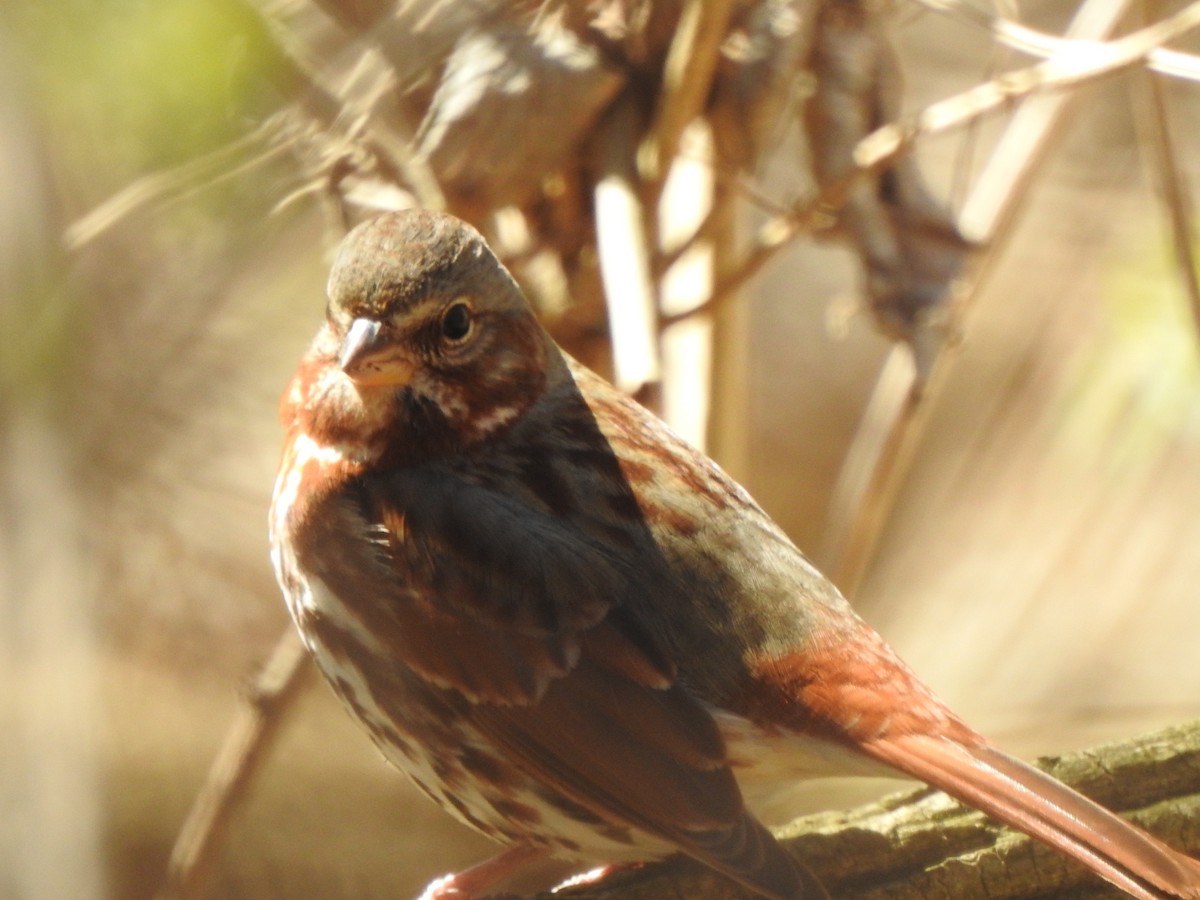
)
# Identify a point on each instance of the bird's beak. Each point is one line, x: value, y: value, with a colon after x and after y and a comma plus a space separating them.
x: 371, y: 357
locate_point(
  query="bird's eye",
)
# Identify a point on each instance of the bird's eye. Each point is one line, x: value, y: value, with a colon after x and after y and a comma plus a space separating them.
x: 457, y: 322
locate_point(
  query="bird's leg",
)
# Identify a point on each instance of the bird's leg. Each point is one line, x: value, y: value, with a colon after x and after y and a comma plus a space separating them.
x: 469, y: 883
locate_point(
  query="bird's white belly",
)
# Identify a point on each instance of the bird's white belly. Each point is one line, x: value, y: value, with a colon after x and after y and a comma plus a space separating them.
x: 782, y: 774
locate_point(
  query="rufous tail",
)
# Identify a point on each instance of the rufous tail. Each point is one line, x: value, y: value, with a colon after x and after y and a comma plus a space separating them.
x: 1033, y: 802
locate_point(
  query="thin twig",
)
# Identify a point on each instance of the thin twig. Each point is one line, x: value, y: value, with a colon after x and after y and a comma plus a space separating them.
x: 1036, y: 43
x: 252, y: 734
x: 1086, y: 61
x: 885, y: 437
x: 773, y: 235
x: 734, y: 183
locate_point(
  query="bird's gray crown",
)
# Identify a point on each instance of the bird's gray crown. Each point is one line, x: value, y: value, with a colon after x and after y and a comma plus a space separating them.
x: 396, y: 259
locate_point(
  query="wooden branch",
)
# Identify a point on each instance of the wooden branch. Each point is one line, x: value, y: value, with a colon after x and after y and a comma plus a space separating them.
x: 255, y: 727
x: 921, y: 844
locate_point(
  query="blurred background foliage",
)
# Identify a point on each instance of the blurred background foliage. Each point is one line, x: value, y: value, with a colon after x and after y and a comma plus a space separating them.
x: 1040, y: 565
x: 130, y: 86
x: 1142, y: 371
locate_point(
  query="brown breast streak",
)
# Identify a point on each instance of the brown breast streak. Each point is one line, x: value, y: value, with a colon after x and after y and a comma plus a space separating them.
x: 850, y: 687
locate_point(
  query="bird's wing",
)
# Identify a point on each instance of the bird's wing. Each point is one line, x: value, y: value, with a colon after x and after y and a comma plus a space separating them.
x: 521, y: 614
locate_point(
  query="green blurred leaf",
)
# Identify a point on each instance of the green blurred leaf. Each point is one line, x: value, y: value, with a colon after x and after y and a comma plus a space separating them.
x: 136, y: 85
x: 1137, y: 384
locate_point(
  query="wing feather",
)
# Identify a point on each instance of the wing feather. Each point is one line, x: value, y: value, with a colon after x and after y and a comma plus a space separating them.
x: 649, y: 758
x: 580, y: 696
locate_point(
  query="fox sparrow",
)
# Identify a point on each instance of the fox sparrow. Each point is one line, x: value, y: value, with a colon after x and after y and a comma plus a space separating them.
x: 571, y: 629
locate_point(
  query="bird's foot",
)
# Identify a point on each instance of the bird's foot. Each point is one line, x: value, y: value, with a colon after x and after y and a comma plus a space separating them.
x: 470, y: 884
x: 591, y: 876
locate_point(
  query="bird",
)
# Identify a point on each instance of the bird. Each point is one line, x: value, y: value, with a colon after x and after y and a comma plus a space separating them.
x: 570, y: 628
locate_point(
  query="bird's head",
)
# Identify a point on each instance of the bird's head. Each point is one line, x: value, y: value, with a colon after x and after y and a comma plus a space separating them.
x: 427, y: 337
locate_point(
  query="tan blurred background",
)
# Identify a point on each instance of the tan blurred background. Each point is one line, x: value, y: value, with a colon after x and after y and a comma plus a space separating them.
x: 1041, y: 568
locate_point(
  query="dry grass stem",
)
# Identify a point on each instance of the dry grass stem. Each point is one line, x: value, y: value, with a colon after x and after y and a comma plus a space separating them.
x: 250, y: 737
x: 623, y: 248
x: 687, y: 80
x: 1084, y: 62
x: 1030, y: 41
